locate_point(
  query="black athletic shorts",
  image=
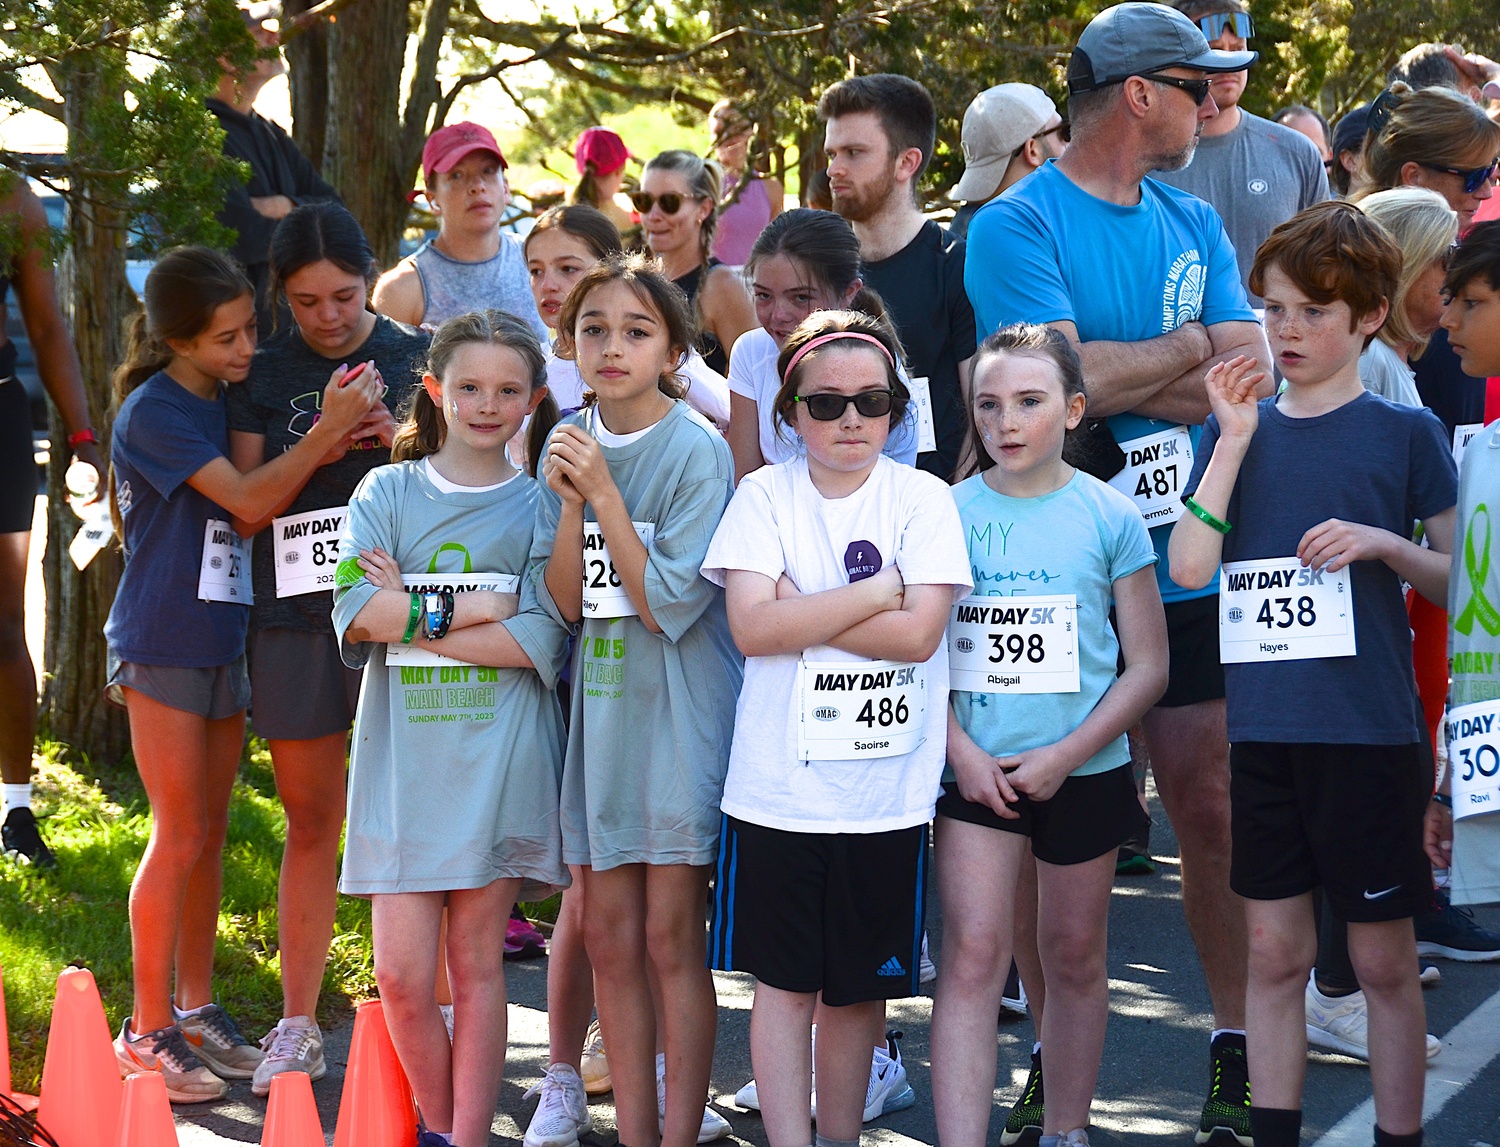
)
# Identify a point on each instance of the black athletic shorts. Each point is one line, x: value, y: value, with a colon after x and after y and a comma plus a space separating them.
x: 1346, y: 817
x: 300, y: 687
x: 1195, y: 673
x: 18, y: 474
x: 1087, y: 816
x: 837, y: 913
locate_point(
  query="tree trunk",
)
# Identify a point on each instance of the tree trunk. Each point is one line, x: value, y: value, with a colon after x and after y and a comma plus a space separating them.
x: 96, y: 299
x: 307, y: 65
x: 362, y: 152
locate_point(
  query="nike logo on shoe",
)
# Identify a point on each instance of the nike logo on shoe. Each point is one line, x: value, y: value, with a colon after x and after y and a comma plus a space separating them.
x: 1378, y: 895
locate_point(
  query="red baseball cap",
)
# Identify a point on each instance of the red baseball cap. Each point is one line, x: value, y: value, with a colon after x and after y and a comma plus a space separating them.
x: 601, y: 147
x: 446, y: 147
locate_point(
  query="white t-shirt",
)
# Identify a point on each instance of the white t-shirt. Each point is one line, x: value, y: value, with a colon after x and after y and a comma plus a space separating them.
x: 778, y: 523
x: 708, y: 390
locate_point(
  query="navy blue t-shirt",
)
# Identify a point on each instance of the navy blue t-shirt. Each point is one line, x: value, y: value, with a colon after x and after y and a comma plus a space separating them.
x: 1370, y: 461
x: 162, y: 436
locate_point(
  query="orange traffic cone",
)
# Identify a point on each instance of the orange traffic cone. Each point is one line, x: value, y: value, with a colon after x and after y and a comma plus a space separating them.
x: 81, y: 1090
x: 146, y: 1115
x: 376, y: 1109
x: 292, y: 1115
x: 26, y: 1101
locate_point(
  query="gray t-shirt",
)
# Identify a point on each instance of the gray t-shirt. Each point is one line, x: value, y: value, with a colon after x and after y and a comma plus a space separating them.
x: 453, y: 287
x: 1370, y: 461
x: 1383, y: 373
x: 1256, y: 177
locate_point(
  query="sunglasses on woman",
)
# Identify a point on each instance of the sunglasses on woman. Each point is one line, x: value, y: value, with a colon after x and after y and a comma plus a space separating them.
x: 1213, y: 26
x: 1474, y: 178
x: 671, y: 202
x: 827, y: 407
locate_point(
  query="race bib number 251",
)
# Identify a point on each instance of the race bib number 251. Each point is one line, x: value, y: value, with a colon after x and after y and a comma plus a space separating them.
x: 1277, y: 609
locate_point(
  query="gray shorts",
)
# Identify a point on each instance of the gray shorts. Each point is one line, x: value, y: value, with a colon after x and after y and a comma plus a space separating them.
x: 300, y: 687
x: 213, y: 692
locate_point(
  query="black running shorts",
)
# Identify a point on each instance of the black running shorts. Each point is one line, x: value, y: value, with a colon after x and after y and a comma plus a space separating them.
x: 1195, y: 673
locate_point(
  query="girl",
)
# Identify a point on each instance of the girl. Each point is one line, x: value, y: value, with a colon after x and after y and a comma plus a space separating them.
x: 636, y: 484
x: 1036, y: 730
x: 453, y: 789
x: 750, y: 200
x: 805, y: 261
x: 839, y: 567
x: 678, y: 204
x: 302, y: 693
x: 176, y: 635
x: 601, y: 156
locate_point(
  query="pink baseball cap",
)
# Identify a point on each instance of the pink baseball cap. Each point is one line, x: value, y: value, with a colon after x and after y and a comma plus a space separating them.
x: 601, y: 147
x: 446, y: 147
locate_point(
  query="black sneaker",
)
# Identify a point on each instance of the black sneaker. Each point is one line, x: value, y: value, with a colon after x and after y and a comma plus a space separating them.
x: 22, y: 841
x: 1024, y: 1124
x: 1134, y: 857
x: 1226, y: 1115
x: 1451, y: 932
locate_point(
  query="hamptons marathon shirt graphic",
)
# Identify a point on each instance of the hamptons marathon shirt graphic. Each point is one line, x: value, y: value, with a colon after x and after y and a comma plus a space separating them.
x: 1182, y: 293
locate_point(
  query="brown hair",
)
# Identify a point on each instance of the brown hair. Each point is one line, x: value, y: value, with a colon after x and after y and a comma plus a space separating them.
x: 644, y: 276
x: 1477, y: 257
x: 903, y: 107
x: 583, y: 221
x: 1023, y: 340
x: 704, y: 182
x: 821, y: 323
x: 1333, y: 252
x: 1434, y: 126
x: 423, y: 428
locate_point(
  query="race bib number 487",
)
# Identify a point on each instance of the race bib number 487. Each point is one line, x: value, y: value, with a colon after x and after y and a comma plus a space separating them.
x: 1277, y: 609
x: 1156, y: 468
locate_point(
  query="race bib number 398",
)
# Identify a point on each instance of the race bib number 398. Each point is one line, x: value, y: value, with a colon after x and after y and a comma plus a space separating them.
x: 1474, y: 758
x: 851, y: 710
x: 1156, y: 468
x: 1277, y: 609
x: 1014, y: 644
x: 307, y: 550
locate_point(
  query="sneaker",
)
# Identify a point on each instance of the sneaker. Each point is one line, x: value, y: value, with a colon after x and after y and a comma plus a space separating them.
x: 1452, y: 933
x: 1226, y: 1113
x: 1078, y: 1137
x: 595, y: 1070
x: 523, y: 940
x: 1134, y: 856
x: 888, y: 1089
x: 1013, y: 999
x: 747, y: 1097
x: 1024, y: 1123
x: 713, y: 1125
x: 21, y: 840
x: 294, y: 1044
x: 446, y: 1011
x: 165, y: 1051
x: 1341, y: 1023
x: 562, y: 1114
x: 218, y: 1043
x: 1429, y: 976
x: 926, y: 969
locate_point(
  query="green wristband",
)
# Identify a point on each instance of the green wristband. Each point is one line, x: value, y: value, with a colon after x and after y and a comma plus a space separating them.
x: 411, y: 621
x: 1204, y: 516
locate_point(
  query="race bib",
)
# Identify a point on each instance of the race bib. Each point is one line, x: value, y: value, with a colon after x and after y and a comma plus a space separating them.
x: 307, y: 550
x: 852, y: 710
x: 1277, y: 609
x: 1014, y: 644
x: 225, y: 572
x: 92, y: 536
x: 1474, y: 758
x: 1156, y: 468
x: 603, y: 593
x: 1462, y: 436
x: 921, y: 396
x: 458, y: 584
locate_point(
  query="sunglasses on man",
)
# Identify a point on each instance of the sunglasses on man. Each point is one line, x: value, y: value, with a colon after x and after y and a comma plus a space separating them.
x: 827, y: 407
x: 1198, y: 89
x: 1213, y: 26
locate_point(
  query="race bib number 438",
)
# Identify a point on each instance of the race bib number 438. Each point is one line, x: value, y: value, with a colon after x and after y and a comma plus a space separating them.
x: 1474, y: 758
x: 1014, y: 644
x: 852, y: 710
x: 1156, y: 467
x: 1277, y: 609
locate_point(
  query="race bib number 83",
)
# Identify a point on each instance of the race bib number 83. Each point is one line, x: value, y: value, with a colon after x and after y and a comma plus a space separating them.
x: 1277, y: 609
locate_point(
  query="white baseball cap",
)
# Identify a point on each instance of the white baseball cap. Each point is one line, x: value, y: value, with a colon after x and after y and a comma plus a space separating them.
x: 999, y: 120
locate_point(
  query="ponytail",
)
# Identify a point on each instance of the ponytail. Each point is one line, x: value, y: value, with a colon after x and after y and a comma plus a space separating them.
x: 144, y: 356
x: 543, y: 419
x: 422, y: 428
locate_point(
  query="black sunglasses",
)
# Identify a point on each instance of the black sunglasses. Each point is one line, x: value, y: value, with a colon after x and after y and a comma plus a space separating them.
x: 1063, y: 131
x: 827, y: 407
x: 671, y: 202
x: 1474, y: 178
x: 1213, y: 26
x: 1198, y: 89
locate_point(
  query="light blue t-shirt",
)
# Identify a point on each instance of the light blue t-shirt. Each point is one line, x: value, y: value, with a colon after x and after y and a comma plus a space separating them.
x: 1047, y: 251
x: 1080, y: 539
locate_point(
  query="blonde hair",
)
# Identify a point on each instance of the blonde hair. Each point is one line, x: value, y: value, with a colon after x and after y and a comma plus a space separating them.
x: 1435, y: 126
x: 1424, y: 227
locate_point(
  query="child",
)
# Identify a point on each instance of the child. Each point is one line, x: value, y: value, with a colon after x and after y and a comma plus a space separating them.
x: 176, y: 636
x: 453, y: 787
x: 1036, y: 734
x: 636, y: 484
x: 839, y: 569
x: 1308, y: 498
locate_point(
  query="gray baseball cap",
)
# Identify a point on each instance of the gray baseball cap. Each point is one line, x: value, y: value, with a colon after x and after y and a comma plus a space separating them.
x: 1135, y: 39
x: 999, y: 120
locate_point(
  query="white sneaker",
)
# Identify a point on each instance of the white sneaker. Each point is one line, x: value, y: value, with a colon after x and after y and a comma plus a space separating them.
x: 562, y: 1114
x: 888, y: 1089
x: 595, y: 1063
x: 294, y: 1044
x: 1341, y: 1024
x: 926, y: 969
x: 747, y: 1097
x: 165, y: 1051
x: 714, y: 1126
x: 446, y: 1010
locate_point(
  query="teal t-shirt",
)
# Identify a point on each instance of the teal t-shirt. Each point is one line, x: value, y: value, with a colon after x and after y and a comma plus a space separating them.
x: 1077, y: 540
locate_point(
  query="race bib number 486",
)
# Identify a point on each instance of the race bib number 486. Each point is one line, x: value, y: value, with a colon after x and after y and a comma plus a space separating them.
x: 852, y: 710
x: 1014, y: 644
x: 1277, y: 609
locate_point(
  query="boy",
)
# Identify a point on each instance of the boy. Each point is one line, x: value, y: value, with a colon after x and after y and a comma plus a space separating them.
x: 1308, y: 498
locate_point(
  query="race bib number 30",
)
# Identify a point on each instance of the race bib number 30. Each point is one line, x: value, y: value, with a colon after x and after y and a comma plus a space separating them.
x: 1474, y: 758
x: 1014, y: 644
x: 225, y: 572
x: 1277, y: 609
x: 1156, y: 468
x: 851, y: 710
x: 603, y: 592
x: 307, y: 550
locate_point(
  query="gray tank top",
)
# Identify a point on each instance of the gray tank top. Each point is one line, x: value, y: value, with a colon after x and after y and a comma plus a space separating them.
x: 452, y: 287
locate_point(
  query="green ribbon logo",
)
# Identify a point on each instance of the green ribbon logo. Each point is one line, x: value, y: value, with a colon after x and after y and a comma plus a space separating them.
x: 1478, y: 569
x: 432, y: 566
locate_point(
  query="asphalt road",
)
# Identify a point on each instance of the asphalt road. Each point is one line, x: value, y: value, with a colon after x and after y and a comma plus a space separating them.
x: 1155, y: 1070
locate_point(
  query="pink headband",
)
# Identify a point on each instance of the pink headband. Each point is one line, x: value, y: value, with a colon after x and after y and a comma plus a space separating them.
x: 836, y: 336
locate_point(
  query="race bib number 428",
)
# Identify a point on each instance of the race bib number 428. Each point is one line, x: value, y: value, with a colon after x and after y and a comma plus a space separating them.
x: 1014, y: 644
x: 1277, y: 609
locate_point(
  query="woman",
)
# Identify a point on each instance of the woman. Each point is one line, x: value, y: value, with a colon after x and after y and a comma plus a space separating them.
x: 678, y: 204
x: 750, y: 200
x: 601, y: 156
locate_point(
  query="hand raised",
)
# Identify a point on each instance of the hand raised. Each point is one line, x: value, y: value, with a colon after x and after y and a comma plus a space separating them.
x: 1231, y: 395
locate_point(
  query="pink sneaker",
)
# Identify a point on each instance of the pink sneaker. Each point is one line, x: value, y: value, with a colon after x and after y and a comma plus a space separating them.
x: 523, y: 940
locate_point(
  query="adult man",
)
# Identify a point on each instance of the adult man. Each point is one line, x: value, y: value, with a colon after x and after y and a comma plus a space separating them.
x: 879, y: 135
x: 1143, y: 278
x: 1009, y: 131
x: 1311, y: 123
x: 1257, y: 174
